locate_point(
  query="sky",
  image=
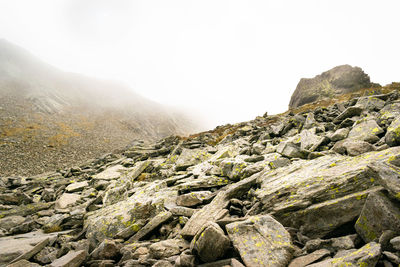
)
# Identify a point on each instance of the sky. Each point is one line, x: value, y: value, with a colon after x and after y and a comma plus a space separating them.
x: 227, y: 61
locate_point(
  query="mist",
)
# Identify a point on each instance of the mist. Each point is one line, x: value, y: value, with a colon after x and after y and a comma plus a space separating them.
x: 221, y: 61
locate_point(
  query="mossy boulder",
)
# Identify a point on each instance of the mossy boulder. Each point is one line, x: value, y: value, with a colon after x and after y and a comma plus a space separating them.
x: 339, y: 80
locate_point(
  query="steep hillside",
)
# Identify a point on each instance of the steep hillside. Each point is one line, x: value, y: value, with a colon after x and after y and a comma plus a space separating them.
x: 50, y: 119
x: 315, y: 186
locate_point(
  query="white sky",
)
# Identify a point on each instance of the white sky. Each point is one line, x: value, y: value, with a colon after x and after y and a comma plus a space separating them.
x: 228, y: 60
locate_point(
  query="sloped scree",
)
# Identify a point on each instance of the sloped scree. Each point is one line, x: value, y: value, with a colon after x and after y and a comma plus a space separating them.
x: 320, y: 188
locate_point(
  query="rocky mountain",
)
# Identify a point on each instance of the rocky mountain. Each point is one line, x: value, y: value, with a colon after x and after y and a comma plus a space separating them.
x: 316, y: 186
x: 339, y: 80
x: 51, y: 119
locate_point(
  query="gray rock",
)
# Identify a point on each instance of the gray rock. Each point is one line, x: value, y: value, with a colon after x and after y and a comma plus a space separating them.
x: 396, y: 243
x: 333, y: 244
x: 366, y: 131
x: 67, y: 200
x: 291, y: 150
x: 166, y: 248
x: 46, y: 255
x: 107, y: 250
x: 214, y: 211
x: 11, y: 221
x: 192, y: 199
x: 258, y: 234
x: 110, y: 173
x: 190, y: 157
x: 72, y: 259
x: 352, y: 147
x: 348, y: 113
x: 76, y: 187
x: 368, y: 255
x: 23, y: 263
x: 370, y: 103
x: 339, y: 80
x: 310, y: 258
x: 392, y: 137
x: 150, y: 226
x: 210, y: 243
x: 388, y: 176
x: 377, y: 206
x: 340, y: 134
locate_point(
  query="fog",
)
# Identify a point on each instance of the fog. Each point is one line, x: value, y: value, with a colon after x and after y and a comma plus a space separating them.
x: 223, y: 60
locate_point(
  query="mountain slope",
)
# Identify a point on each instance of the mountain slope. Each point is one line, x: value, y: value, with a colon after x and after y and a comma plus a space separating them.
x: 50, y: 118
x: 318, y: 185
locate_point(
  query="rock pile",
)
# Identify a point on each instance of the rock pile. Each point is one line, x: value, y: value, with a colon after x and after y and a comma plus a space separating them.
x: 318, y: 188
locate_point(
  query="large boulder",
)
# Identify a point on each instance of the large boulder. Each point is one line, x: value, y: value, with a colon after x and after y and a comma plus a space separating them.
x: 261, y: 241
x: 320, y: 195
x: 339, y: 80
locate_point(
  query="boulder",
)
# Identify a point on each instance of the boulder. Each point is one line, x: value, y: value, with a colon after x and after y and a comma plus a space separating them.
x: 367, y: 130
x: 309, y: 258
x: 67, y: 200
x: 352, y: 147
x: 392, y: 137
x: 348, y: 113
x: 388, y: 176
x: 190, y: 157
x: 291, y: 150
x: 71, y: 259
x: 370, y: 103
x: 210, y: 243
x: 76, y: 187
x: 339, y: 80
x: 340, y: 134
x: 166, y: 248
x: 110, y: 173
x: 261, y: 241
x: 107, y: 249
x: 378, y: 205
x: 368, y: 255
x: 395, y: 243
x: 192, y: 199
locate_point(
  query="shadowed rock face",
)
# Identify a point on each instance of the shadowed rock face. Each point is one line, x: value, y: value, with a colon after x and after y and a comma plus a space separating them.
x: 339, y: 80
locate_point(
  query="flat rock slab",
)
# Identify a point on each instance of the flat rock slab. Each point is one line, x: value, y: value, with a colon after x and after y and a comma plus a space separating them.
x: 306, y: 188
x: 111, y: 173
x: 261, y: 241
x: 368, y: 255
x: 72, y: 259
x: 66, y: 200
x: 150, y: 226
x: 310, y: 258
x: 12, y: 247
x: 75, y: 187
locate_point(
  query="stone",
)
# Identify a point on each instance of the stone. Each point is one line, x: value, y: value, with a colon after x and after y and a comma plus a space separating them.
x: 210, y: 243
x: 166, y: 248
x: 76, y: 187
x: 110, y: 173
x: 46, y: 255
x: 67, y: 200
x: 370, y: 103
x: 377, y: 205
x: 23, y: 263
x: 309, y: 258
x: 339, y: 80
x: 29, y: 254
x: 340, y: 134
x: 190, y: 157
x: 107, y: 250
x: 352, y: 147
x: 115, y: 195
x: 215, y: 210
x: 26, y: 210
x: 257, y: 235
x: 150, y: 226
x: 193, y: 198
x: 163, y: 263
x: 395, y: 243
x: 348, y: 113
x: 290, y: 150
x: 333, y: 244
x: 53, y: 224
x: 367, y: 131
x: 11, y: 221
x: 71, y: 259
x: 223, y: 263
x: 17, y: 245
x: 16, y: 198
x: 368, y: 255
x: 392, y: 257
x: 148, y: 201
x: 233, y: 168
x: 388, y: 176
x: 392, y: 137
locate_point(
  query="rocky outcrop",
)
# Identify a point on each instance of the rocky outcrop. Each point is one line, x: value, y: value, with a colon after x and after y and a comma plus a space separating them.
x: 317, y: 188
x: 339, y: 80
